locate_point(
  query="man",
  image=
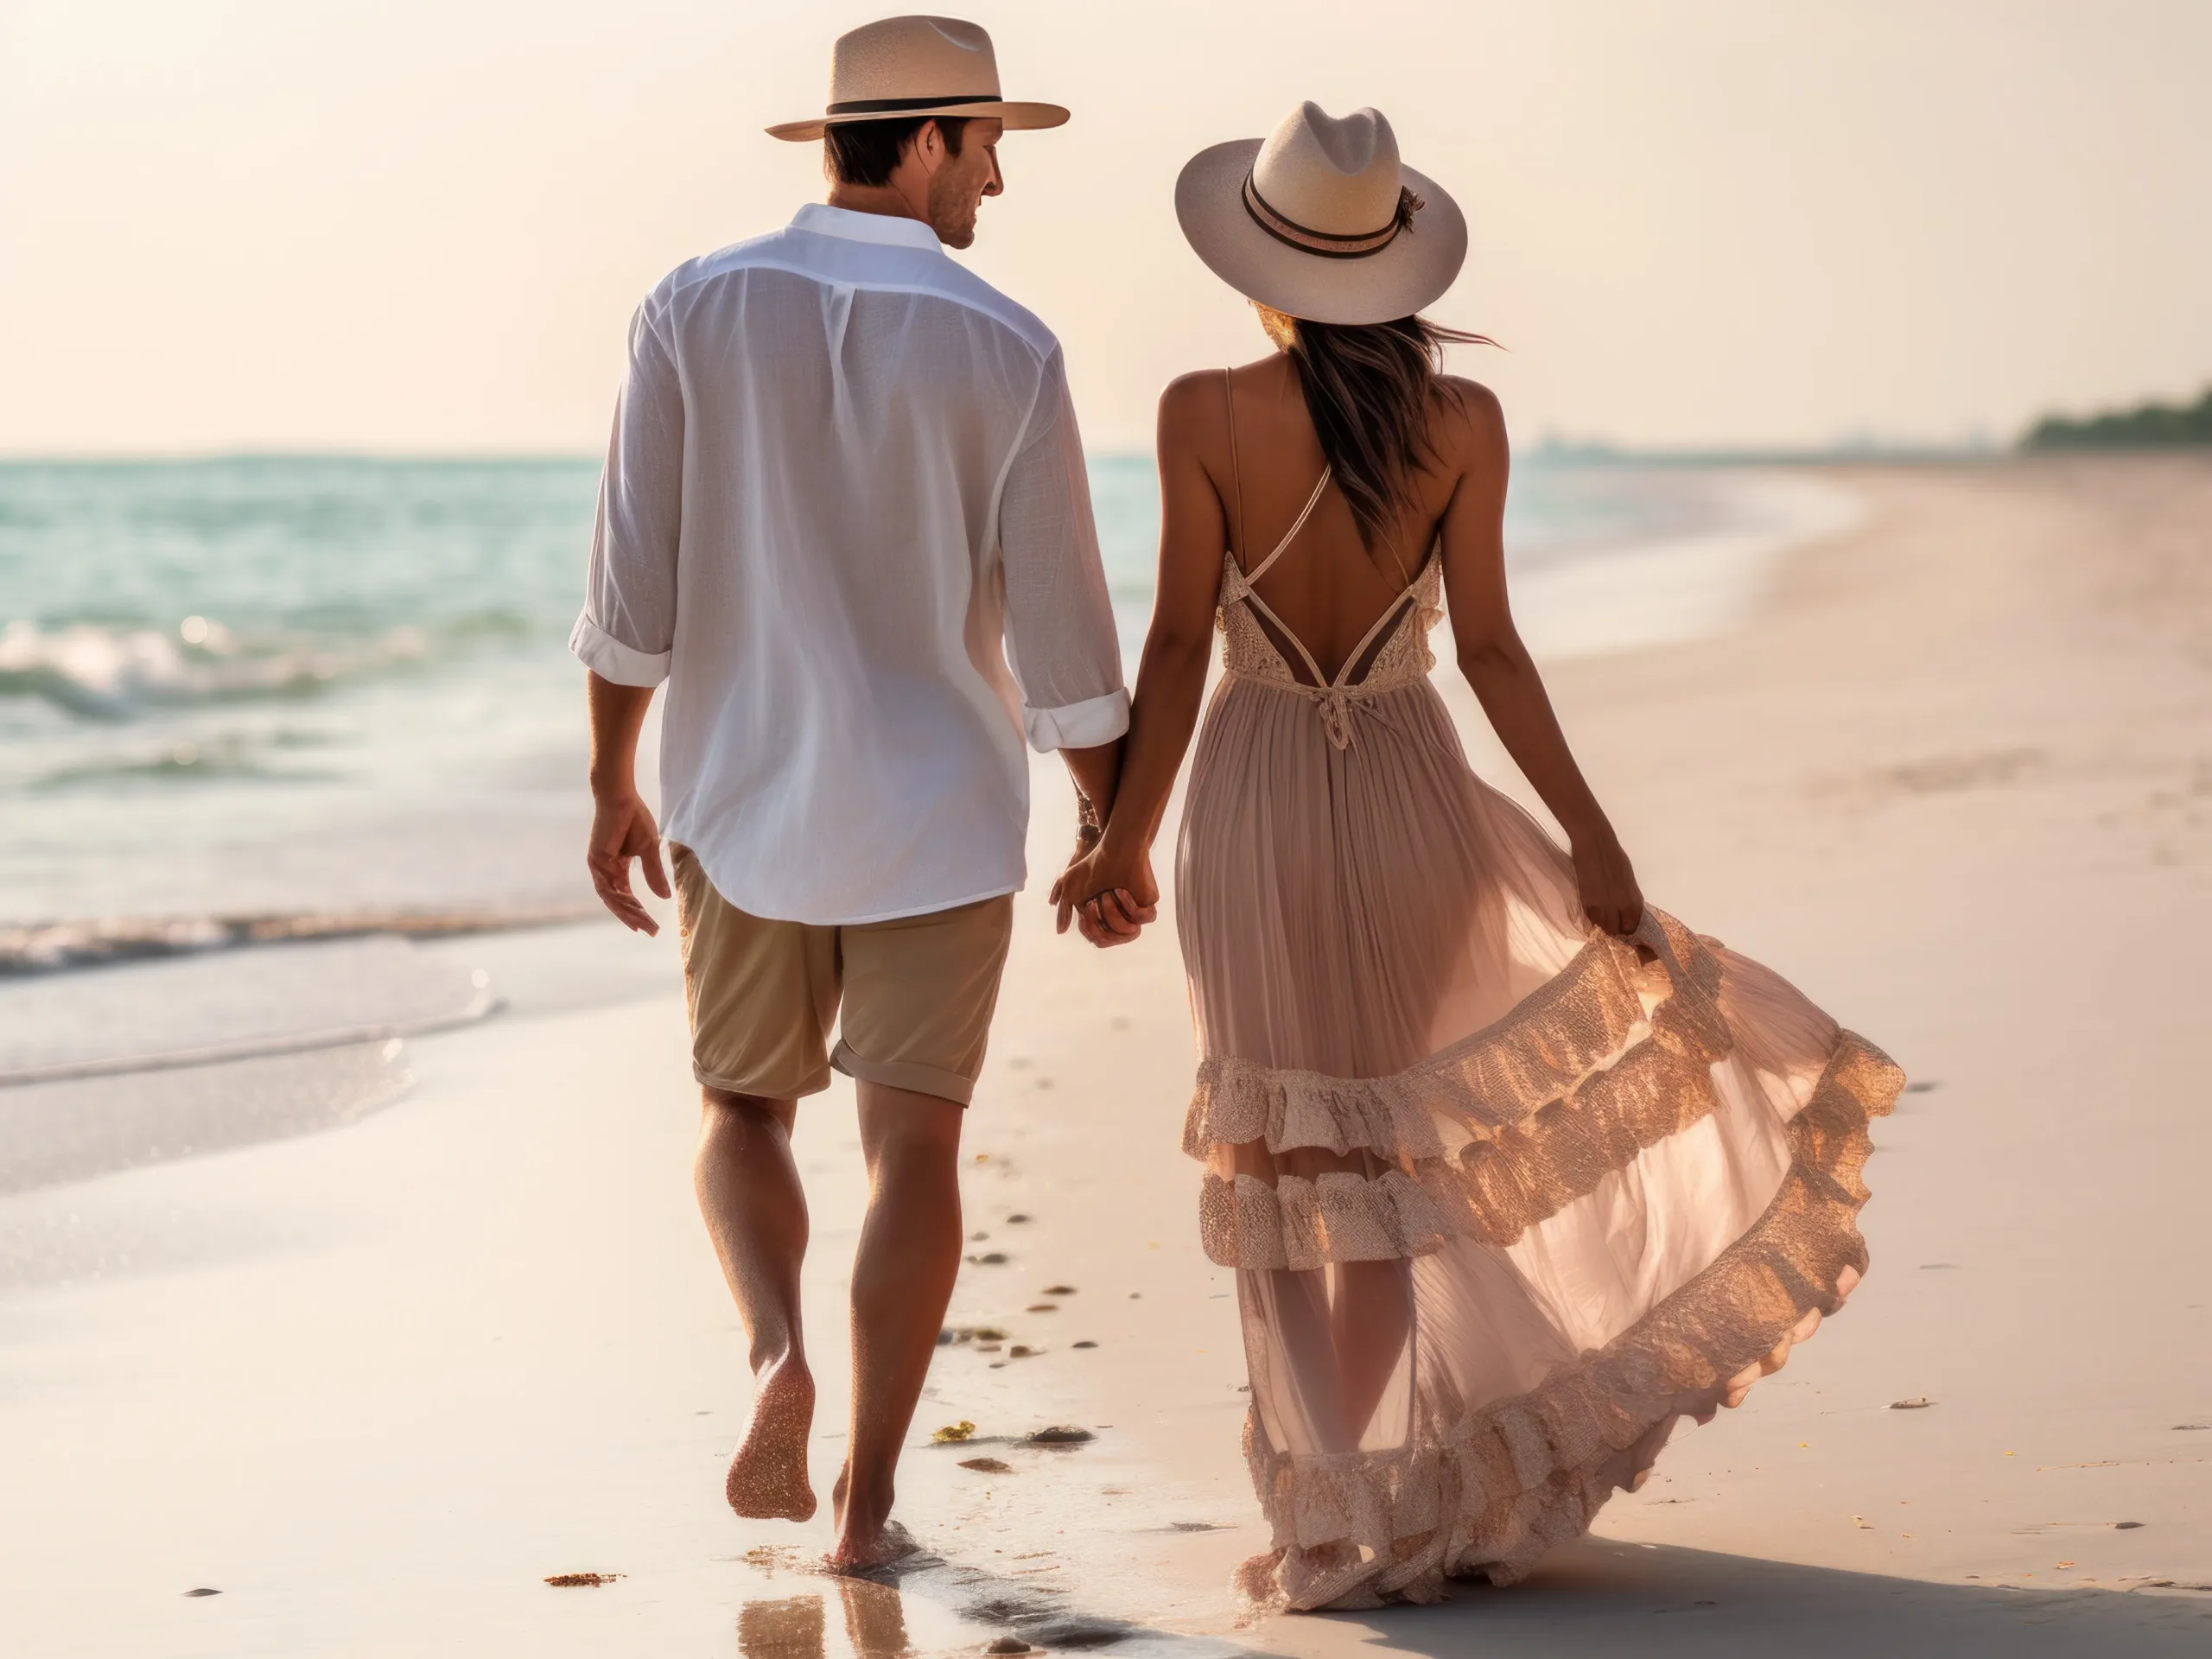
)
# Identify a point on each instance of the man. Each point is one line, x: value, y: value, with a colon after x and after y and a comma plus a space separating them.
x: 845, y: 497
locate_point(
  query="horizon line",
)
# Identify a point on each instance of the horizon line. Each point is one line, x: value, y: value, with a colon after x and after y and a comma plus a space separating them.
x: 1555, y: 450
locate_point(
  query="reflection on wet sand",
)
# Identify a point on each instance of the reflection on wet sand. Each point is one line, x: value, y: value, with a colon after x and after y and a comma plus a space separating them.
x: 876, y: 1625
x: 780, y: 1630
x: 875, y: 1619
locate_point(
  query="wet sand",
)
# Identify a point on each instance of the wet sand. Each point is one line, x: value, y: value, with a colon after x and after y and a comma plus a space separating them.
x: 375, y: 1385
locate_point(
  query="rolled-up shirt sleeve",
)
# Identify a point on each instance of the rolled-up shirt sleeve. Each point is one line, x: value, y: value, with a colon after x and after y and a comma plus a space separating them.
x: 1060, y: 640
x: 628, y: 625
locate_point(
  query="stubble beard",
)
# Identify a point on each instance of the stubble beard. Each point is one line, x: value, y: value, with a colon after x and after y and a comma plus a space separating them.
x: 952, y: 212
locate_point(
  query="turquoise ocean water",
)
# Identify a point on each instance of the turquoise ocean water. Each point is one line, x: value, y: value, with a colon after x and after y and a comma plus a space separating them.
x: 300, y: 685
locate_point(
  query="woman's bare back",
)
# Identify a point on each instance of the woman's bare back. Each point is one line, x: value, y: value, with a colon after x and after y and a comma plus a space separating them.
x: 1327, y: 589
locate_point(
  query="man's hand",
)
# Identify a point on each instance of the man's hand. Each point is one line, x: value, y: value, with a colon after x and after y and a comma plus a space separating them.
x: 622, y: 829
x: 1109, y: 893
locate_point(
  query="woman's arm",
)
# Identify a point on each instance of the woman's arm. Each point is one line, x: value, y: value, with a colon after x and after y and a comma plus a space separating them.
x: 1172, y: 677
x: 1505, y: 681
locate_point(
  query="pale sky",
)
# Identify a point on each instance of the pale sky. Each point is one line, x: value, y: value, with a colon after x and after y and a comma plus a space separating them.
x: 421, y: 225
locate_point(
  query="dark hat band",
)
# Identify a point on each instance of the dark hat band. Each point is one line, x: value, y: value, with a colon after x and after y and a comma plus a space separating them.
x: 894, y: 105
x: 1306, y: 241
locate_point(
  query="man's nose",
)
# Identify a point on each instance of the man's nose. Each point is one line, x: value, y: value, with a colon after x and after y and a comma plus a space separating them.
x: 997, y: 185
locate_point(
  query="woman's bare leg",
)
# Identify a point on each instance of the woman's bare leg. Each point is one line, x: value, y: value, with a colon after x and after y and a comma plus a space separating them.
x: 755, y: 1211
x: 903, y: 1272
x: 1370, y: 1320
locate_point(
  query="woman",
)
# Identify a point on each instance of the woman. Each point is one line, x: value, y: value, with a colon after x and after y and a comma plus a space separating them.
x: 1514, y: 1171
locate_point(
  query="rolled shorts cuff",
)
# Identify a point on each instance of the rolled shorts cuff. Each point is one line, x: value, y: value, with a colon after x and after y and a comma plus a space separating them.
x: 904, y: 1074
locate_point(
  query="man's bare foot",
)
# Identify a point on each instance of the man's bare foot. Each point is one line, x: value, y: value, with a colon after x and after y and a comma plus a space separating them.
x: 859, y: 1555
x: 768, y: 1477
x: 864, y: 1546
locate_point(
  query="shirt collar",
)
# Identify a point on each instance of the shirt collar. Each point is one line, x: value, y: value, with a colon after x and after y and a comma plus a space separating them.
x: 825, y: 220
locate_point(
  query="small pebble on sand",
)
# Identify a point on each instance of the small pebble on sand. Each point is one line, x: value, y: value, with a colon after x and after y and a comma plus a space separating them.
x: 1059, y: 1290
x: 203, y: 1591
x: 1061, y: 1435
x: 989, y: 1259
x: 987, y: 1465
x: 1022, y: 1350
x: 1009, y: 1644
x: 1016, y: 1219
x: 1918, y: 1403
x: 1042, y: 1307
x: 1086, y: 1344
x: 581, y: 1581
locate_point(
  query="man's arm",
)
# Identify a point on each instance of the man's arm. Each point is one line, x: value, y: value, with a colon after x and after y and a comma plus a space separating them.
x: 1060, y: 637
x: 626, y: 633
x: 622, y: 826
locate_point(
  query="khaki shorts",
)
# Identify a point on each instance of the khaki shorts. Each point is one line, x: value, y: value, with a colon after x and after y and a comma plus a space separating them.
x: 918, y: 994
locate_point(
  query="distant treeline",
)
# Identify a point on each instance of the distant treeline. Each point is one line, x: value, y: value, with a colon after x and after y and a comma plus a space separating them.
x: 2150, y: 426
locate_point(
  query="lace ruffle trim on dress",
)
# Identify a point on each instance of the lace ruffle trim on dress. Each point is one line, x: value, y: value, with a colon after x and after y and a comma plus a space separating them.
x: 1492, y: 1136
x: 1339, y: 1216
x: 1490, y: 1491
x: 1574, y: 1023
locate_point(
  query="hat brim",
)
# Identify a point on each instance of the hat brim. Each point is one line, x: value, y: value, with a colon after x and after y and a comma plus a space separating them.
x: 1412, y: 271
x: 1018, y: 118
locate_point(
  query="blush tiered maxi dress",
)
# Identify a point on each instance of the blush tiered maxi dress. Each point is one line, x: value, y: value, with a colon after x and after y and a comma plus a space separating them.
x: 1506, y: 1197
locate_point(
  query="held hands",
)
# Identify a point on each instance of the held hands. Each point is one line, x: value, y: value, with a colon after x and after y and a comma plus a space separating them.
x: 1109, y: 892
x: 1611, y: 897
x: 622, y: 829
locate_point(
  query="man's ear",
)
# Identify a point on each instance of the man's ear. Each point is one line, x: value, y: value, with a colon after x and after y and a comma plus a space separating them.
x: 929, y: 147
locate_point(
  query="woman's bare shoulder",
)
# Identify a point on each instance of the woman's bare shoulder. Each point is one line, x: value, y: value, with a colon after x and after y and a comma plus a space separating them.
x: 1191, y: 407
x: 1470, y: 427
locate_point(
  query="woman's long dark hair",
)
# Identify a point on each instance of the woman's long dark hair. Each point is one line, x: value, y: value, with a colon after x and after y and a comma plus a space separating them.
x: 1368, y: 387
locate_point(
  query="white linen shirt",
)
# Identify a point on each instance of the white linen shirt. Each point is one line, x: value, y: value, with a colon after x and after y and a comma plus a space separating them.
x: 844, y: 497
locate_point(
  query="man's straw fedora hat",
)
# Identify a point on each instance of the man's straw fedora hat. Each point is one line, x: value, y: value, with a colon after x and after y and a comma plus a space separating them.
x: 1319, y: 219
x: 904, y: 68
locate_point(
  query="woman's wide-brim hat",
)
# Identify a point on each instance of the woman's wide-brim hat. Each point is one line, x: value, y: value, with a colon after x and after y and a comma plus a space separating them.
x: 1321, y: 220
x: 905, y: 68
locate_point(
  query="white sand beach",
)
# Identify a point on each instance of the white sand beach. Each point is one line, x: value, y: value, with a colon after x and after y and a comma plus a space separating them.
x: 1954, y: 779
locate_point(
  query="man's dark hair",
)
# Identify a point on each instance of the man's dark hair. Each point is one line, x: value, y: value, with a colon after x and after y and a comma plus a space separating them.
x: 867, y: 152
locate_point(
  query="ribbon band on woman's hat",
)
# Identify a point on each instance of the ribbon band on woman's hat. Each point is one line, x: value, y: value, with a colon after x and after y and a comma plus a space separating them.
x: 1327, y: 246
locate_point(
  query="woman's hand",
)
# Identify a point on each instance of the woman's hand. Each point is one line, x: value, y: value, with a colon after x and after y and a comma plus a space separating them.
x: 1109, y: 892
x: 1611, y: 897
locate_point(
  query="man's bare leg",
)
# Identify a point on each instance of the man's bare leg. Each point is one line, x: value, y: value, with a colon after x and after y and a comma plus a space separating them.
x: 756, y: 1213
x: 903, y: 1272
